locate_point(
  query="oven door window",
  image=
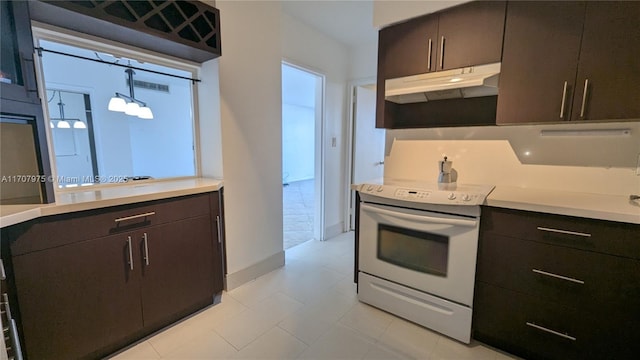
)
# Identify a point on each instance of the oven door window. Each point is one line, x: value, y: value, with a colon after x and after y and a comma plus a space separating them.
x: 420, y: 251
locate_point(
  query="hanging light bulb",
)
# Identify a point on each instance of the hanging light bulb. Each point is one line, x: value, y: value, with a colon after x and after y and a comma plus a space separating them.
x: 132, y: 109
x: 64, y: 124
x: 78, y: 124
x: 51, y: 124
x: 117, y: 104
x: 145, y: 113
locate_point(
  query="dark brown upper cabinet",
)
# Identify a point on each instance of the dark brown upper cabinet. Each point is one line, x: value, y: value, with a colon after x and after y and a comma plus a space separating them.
x: 471, y: 34
x: 185, y: 29
x: 608, y: 80
x: 466, y: 35
x: 17, y: 71
x: 570, y: 61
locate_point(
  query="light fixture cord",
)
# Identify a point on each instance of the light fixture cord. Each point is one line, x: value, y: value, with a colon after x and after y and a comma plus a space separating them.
x: 60, y: 105
x: 130, y: 73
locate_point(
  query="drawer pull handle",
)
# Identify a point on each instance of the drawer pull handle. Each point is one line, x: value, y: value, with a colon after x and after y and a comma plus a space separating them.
x: 564, y: 98
x: 551, y: 331
x: 558, y: 276
x: 130, y: 253
x: 442, y: 53
x: 563, y: 231
x: 135, y: 216
x: 146, y: 249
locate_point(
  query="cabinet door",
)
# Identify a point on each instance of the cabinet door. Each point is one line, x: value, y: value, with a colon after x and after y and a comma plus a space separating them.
x: 17, y: 69
x: 408, y: 48
x: 541, y: 49
x: 177, y: 270
x: 471, y: 34
x: 608, y: 81
x: 78, y: 300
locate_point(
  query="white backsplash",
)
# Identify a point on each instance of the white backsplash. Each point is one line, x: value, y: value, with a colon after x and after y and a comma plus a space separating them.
x: 519, y: 156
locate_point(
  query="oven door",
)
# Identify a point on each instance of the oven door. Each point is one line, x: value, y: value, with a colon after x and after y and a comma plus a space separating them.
x: 427, y: 251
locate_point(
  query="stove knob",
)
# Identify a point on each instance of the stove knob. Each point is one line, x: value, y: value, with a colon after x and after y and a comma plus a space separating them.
x: 370, y: 188
x: 466, y: 197
x: 451, y: 196
x: 380, y: 188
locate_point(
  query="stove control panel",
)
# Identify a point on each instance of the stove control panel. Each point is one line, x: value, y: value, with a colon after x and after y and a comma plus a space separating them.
x: 462, y: 195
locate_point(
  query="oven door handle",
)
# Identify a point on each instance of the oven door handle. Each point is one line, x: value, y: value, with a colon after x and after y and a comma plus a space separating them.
x: 419, y: 218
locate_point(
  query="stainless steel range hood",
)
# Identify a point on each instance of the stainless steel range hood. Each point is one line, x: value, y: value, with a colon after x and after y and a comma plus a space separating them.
x: 474, y: 81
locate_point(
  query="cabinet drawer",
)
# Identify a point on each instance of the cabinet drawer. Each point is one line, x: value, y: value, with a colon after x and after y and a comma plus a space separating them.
x: 65, y: 229
x: 587, y: 234
x: 556, y: 273
x: 537, y: 329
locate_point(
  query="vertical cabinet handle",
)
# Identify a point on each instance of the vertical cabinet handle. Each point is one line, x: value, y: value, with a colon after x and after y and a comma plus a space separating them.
x: 429, y: 55
x: 442, y: 53
x: 145, y: 237
x: 564, y: 99
x: 584, y: 97
x: 130, y: 252
x: 218, y: 227
x: 3, y: 275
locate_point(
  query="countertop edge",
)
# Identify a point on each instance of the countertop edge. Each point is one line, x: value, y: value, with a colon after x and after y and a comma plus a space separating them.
x: 567, y: 211
x: 30, y: 212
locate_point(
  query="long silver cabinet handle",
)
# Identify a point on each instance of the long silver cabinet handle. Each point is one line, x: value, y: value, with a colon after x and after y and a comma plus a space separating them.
x: 584, y: 97
x: 442, y: 53
x: 566, y: 336
x: 15, y: 340
x: 557, y: 276
x: 219, y: 230
x: 130, y: 252
x: 564, y: 98
x: 146, y: 248
x: 3, y: 275
x: 429, y: 55
x: 135, y: 216
x: 563, y: 231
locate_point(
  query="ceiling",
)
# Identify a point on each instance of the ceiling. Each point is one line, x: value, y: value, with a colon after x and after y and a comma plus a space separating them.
x: 348, y: 21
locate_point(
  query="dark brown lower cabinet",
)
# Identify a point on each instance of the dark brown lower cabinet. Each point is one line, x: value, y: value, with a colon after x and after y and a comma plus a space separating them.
x: 557, y: 287
x: 85, y: 299
x: 179, y: 273
x: 76, y: 300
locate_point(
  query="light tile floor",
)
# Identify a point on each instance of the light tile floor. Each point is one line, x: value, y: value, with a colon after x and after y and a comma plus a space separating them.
x: 306, y: 310
x: 298, y: 212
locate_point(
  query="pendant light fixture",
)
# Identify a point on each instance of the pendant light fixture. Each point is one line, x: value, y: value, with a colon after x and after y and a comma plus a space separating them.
x: 63, y: 123
x: 133, y: 107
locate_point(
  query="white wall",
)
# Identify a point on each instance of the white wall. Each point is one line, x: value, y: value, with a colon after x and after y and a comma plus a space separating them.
x: 250, y: 107
x: 304, y: 46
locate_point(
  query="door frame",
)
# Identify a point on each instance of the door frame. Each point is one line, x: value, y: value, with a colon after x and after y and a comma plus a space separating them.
x: 349, y: 199
x: 320, y: 149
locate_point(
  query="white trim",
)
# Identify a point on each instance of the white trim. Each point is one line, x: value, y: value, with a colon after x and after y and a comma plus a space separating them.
x: 348, y: 171
x: 254, y: 271
x: 320, y: 151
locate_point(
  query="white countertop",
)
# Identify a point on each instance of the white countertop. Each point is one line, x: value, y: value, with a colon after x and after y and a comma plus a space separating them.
x: 587, y: 205
x: 87, y: 199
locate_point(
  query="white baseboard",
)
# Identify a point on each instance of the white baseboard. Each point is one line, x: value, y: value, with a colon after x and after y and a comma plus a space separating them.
x: 333, y: 230
x: 254, y: 271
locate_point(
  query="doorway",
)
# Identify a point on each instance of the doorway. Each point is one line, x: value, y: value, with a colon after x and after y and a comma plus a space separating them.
x: 302, y: 169
x: 367, y: 145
